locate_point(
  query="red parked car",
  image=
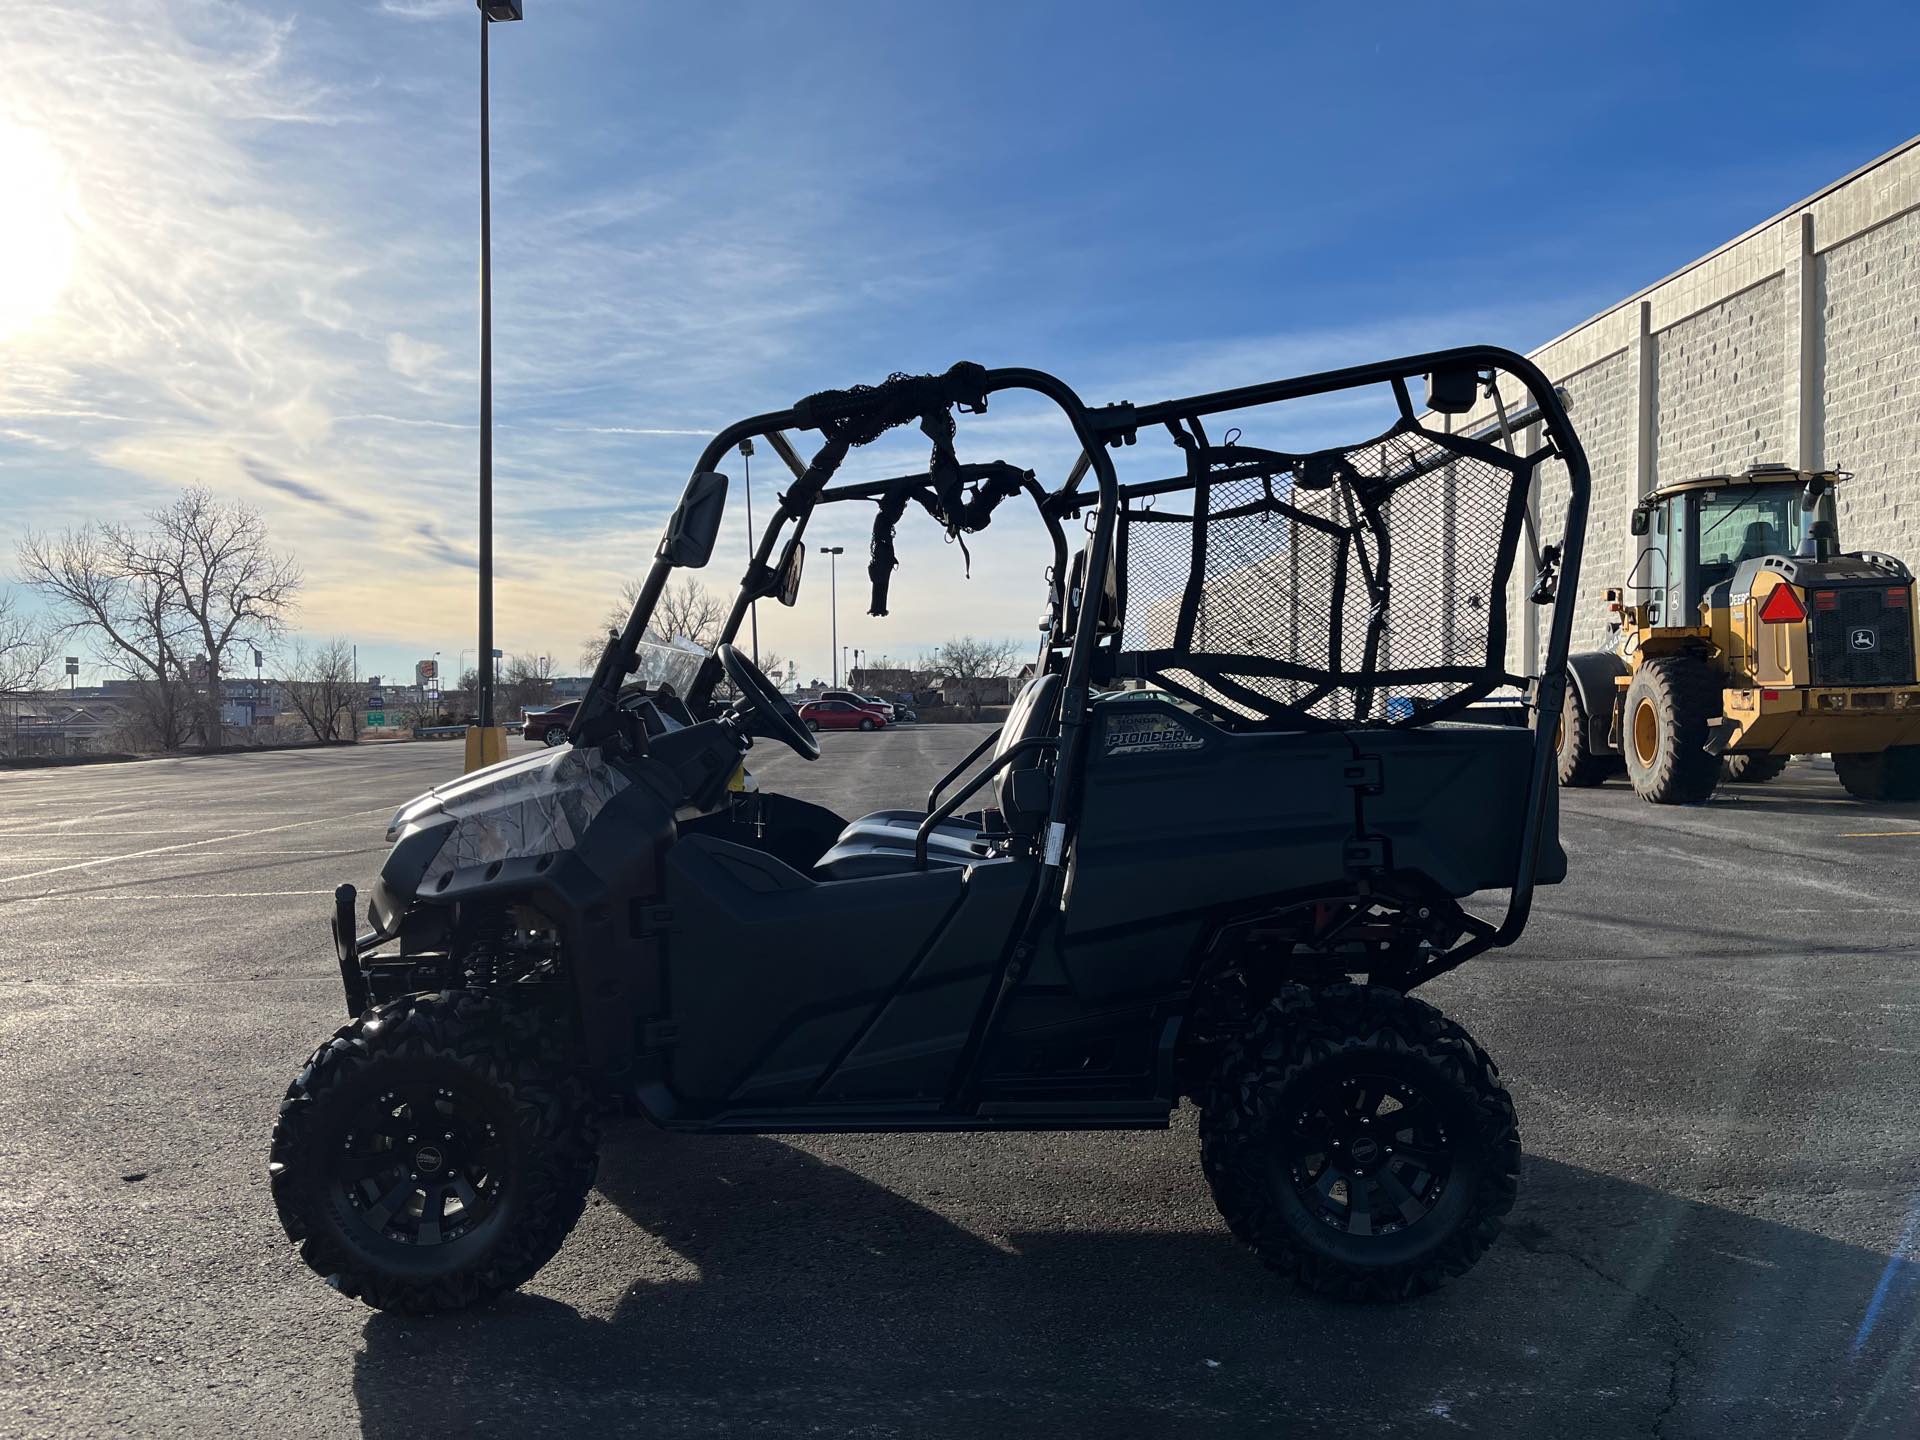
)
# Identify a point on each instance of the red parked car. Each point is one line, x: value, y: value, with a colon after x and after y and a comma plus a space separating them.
x: 840, y: 715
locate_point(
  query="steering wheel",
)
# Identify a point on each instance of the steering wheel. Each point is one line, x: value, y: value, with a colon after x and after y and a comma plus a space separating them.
x: 760, y: 699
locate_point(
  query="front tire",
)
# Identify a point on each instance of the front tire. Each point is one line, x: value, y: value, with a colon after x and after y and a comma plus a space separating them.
x: 1358, y: 1142
x: 430, y: 1157
x: 1670, y: 705
x: 814, y: 726
x: 1753, y: 769
x: 866, y: 724
x: 1890, y: 775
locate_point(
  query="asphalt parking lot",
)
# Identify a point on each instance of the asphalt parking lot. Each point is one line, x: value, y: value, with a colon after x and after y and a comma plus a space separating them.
x: 1712, y: 1033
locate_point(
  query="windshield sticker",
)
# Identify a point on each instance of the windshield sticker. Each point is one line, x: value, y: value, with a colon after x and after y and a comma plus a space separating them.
x: 1148, y: 734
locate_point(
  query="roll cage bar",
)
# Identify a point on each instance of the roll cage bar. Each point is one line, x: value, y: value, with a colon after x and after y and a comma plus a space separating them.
x: 963, y: 497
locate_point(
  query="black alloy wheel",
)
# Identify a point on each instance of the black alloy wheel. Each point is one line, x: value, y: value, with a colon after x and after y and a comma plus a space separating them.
x: 1367, y: 1153
x: 423, y: 1166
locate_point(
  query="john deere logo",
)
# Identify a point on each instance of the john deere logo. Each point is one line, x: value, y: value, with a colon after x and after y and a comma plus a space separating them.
x: 1864, y: 639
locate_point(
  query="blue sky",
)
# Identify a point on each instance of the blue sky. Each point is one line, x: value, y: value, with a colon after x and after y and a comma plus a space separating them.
x: 242, y: 248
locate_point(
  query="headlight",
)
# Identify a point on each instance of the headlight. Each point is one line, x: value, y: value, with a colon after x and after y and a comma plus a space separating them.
x: 413, y: 810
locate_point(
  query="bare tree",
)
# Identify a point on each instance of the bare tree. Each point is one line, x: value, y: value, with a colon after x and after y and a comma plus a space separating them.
x: 687, y: 609
x: 320, y: 685
x: 97, y: 590
x: 613, y: 624
x: 969, y: 665
x: 212, y: 561
x: 26, y: 648
x: 527, y: 683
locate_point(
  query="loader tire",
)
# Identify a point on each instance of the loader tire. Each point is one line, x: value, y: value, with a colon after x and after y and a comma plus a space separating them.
x: 1670, y: 705
x: 1890, y: 775
x: 1325, y: 1183
x: 1752, y: 769
x: 1578, y: 765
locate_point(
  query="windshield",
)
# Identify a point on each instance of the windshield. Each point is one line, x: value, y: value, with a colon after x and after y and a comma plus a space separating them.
x: 668, y: 665
x: 1745, y: 524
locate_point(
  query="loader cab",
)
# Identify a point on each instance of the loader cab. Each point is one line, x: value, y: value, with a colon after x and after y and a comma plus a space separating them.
x: 1694, y: 534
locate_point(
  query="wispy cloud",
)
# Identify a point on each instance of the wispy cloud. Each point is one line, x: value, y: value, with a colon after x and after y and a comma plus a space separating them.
x: 412, y: 358
x: 266, y: 475
x: 424, y: 9
x: 624, y: 430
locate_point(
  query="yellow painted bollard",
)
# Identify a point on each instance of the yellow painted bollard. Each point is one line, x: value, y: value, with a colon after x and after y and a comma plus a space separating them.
x: 486, y: 745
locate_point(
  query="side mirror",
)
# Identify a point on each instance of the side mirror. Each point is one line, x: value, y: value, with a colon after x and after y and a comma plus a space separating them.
x: 791, y: 564
x: 1452, y: 392
x: 1642, y: 520
x: 688, y: 543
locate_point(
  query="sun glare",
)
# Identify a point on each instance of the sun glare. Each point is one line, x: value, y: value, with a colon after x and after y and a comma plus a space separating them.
x: 36, y: 238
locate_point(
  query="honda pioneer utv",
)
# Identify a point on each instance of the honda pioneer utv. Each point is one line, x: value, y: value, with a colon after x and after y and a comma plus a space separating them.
x: 1112, y: 904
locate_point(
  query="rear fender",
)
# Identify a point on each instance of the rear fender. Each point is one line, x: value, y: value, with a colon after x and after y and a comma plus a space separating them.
x: 1593, y: 674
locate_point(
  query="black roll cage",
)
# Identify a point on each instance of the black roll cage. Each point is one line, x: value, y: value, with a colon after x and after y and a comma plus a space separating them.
x: 849, y: 418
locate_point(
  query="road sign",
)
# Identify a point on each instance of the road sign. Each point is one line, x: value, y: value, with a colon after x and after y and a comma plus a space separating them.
x: 376, y: 717
x: 425, y: 672
x: 73, y: 664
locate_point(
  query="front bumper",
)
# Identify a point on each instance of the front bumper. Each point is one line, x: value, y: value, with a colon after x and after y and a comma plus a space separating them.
x: 350, y: 944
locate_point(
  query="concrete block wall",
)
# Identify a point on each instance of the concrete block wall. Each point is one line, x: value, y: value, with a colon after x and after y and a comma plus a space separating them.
x: 1719, y: 379
x: 1797, y: 342
x: 1868, y: 365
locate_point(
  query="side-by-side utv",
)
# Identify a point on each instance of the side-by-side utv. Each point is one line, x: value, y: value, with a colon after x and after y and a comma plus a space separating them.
x: 1224, y: 891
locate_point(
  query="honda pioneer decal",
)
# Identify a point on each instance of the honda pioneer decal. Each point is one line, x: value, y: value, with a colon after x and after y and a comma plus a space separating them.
x: 1152, y: 733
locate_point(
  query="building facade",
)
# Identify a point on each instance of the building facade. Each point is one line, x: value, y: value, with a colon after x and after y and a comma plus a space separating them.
x: 1796, y: 343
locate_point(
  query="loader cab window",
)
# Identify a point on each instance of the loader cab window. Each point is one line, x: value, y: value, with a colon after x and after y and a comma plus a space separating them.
x: 1700, y: 538
x: 1744, y: 524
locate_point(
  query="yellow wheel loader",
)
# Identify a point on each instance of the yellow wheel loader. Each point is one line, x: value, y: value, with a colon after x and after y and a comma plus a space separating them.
x: 1744, y: 637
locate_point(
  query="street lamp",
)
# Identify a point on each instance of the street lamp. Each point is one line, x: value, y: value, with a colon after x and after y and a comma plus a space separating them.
x: 833, y: 590
x: 491, y: 12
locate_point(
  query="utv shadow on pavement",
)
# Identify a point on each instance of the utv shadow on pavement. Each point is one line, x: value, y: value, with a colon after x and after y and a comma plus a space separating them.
x: 828, y: 1304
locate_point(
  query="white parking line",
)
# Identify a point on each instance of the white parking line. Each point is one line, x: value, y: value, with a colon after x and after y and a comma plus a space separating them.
x: 189, y: 845
x: 66, y: 899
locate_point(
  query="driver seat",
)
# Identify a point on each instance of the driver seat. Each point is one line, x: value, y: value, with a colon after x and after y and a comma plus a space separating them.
x: 882, y: 843
x: 1759, y: 541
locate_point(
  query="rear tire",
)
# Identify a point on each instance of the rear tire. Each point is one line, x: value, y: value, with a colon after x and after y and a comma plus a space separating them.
x: 814, y: 726
x: 1892, y: 775
x: 1752, y: 769
x: 1670, y: 706
x: 1329, y: 1187
x: 555, y: 735
x: 1579, y: 766
x: 430, y: 1156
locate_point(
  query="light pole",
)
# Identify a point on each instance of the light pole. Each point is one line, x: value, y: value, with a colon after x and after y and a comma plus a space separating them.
x: 833, y: 604
x: 491, y: 12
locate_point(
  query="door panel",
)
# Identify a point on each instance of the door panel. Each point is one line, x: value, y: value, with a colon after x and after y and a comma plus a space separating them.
x: 770, y: 976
